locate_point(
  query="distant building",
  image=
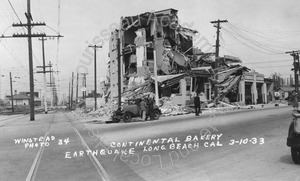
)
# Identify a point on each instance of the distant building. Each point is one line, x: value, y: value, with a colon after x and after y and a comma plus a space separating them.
x: 285, y: 92
x: 19, y: 100
x: 23, y: 99
x: 255, y: 89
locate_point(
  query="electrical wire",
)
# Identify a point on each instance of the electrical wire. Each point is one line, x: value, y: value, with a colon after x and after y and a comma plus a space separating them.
x: 16, y: 14
x: 269, y: 61
x: 250, y: 40
x: 237, y: 33
x: 57, y: 47
x: 274, y: 66
x: 240, y: 41
x: 255, y: 48
x: 263, y: 36
x: 11, y: 53
x: 268, y: 30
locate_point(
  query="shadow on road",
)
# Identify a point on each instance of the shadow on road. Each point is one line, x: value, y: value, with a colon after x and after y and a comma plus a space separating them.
x: 287, y: 159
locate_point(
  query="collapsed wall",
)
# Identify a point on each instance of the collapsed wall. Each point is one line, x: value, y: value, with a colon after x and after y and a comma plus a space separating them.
x: 141, y: 38
x: 158, y: 35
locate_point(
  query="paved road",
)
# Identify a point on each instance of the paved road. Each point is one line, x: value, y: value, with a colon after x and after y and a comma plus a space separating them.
x: 244, y: 145
x: 27, y: 160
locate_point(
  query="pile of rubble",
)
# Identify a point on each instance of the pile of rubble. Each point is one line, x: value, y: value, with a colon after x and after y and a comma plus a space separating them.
x: 103, y: 111
x: 170, y: 109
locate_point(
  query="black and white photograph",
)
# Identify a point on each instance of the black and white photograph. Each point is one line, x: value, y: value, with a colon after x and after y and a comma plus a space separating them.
x: 139, y: 90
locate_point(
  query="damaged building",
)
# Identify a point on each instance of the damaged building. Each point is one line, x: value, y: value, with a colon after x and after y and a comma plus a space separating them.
x: 181, y: 67
x: 157, y: 34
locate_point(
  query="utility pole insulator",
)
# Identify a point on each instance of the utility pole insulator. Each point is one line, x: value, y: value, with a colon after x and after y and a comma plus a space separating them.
x: 31, y: 24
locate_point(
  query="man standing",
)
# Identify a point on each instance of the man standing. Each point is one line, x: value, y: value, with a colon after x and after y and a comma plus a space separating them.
x: 197, y: 104
x: 150, y: 108
x: 294, y: 101
x: 143, y: 109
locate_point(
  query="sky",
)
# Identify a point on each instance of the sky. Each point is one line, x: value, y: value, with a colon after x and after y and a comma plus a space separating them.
x: 258, y: 32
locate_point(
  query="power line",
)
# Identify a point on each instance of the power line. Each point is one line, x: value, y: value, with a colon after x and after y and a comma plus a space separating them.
x: 263, y: 36
x: 52, y: 29
x: 16, y: 14
x: 250, y: 40
x: 266, y: 30
x: 11, y: 53
x: 14, y: 10
x: 57, y: 47
x: 240, y: 41
x: 268, y: 61
x: 58, y: 17
x: 256, y: 61
x: 274, y: 66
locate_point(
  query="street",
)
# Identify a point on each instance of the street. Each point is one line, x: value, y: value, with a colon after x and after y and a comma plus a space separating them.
x: 240, y: 145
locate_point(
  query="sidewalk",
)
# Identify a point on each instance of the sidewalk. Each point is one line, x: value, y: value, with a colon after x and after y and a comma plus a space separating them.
x: 86, y: 119
x: 246, y: 107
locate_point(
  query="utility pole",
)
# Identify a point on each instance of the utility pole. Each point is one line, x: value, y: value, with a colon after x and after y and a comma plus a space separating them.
x: 44, y: 71
x: 217, y: 53
x: 44, y: 74
x: 84, y: 84
x: 0, y: 81
x: 55, y: 98
x: 11, y: 93
x: 95, y: 73
x: 120, y: 60
x: 295, y: 55
x: 29, y: 18
x: 50, y: 77
x: 51, y: 84
x: 77, y: 89
x: 69, y: 96
x: 155, y: 65
x: 63, y: 100
x: 72, y: 90
x: 29, y: 35
x: 119, y: 71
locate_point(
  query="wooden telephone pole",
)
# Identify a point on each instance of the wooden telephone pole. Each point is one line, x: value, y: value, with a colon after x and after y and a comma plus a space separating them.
x: 295, y: 55
x: 84, y: 84
x: 95, y: 72
x: 44, y: 71
x: 76, y: 90
x: 11, y: 93
x: 217, y: 52
x: 71, y: 103
x: 44, y: 74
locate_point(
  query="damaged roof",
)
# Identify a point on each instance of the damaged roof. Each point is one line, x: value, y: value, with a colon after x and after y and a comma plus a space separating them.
x: 167, y: 17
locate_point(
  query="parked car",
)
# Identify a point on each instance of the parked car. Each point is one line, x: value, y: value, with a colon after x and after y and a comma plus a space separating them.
x: 130, y: 109
x: 293, y: 139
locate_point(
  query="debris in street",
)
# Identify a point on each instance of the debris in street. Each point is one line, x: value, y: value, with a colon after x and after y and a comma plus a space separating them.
x: 170, y: 109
